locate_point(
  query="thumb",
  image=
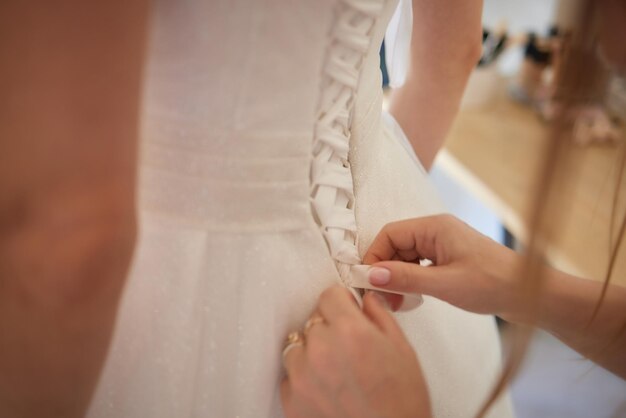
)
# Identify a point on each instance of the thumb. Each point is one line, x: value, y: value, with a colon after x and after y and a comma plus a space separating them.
x: 407, y: 277
x: 374, y: 309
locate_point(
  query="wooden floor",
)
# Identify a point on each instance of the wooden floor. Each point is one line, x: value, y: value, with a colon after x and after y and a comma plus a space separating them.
x: 496, y: 150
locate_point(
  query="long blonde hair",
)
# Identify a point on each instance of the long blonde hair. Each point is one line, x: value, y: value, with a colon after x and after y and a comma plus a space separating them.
x: 577, y: 78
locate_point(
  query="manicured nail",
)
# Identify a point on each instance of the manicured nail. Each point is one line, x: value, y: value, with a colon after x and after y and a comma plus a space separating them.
x: 379, y: 276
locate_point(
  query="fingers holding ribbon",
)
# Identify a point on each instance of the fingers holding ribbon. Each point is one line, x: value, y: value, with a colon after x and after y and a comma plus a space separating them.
x: 341, y: 346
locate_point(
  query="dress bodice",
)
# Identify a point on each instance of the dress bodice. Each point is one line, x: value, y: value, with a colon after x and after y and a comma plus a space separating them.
x: 233, y: 93
x: 231, y: 71
x: 265, y: 173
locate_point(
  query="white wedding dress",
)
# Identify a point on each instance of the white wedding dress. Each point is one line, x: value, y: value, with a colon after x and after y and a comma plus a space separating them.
x: 248, y: 206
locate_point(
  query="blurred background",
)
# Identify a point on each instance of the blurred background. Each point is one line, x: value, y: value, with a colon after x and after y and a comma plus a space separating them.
x: 484, y: 177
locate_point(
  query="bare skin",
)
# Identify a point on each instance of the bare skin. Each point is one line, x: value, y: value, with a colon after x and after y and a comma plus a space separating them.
x: 441, y: 61
x: 326, y: 377
x: 479, y: 275
x: 70, y: 74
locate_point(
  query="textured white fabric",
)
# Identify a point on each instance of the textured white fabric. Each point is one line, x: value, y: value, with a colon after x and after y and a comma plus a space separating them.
x: 332, y: 191
x: 231, y: 256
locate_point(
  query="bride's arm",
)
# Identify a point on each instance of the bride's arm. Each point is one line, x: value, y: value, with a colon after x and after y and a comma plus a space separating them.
x: 70, y: 81
x: 445, y: 47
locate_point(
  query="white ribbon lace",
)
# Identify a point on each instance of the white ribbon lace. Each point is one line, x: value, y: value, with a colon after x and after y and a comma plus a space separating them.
x: 332, y: 191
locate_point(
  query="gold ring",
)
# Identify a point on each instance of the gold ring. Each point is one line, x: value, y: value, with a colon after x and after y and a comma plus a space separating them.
x: 312, y: 322
x: 294, y: 339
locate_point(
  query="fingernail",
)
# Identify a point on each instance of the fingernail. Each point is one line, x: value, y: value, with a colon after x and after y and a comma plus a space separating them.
x: 379, y: 276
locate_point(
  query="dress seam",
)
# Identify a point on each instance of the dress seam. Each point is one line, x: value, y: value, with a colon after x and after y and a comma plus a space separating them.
x: 332, y: 185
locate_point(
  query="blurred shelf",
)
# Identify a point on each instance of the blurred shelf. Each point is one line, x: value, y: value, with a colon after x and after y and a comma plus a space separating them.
x: 495, y: 150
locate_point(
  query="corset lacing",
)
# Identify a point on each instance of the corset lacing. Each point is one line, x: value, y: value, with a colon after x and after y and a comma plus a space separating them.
x: 332, y: 192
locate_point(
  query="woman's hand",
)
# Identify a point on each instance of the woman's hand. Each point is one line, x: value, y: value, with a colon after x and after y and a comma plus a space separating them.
x: 353, y: 364
x: 470, y: 270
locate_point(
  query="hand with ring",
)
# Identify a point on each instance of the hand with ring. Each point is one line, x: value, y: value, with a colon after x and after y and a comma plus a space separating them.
x: 349, y: 362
